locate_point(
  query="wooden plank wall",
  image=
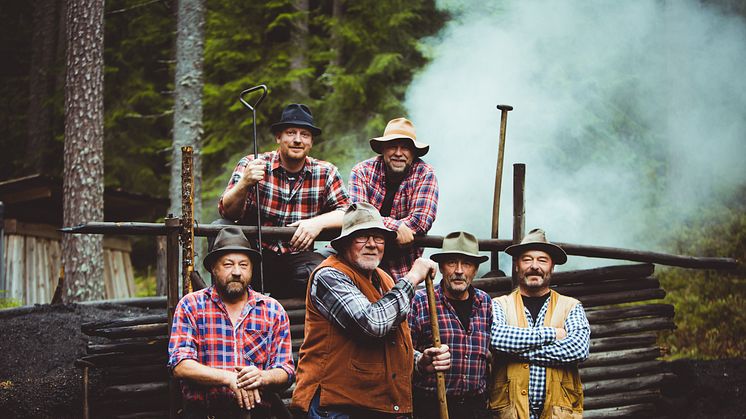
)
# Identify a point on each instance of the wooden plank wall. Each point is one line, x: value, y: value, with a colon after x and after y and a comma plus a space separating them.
x: 33, y: 258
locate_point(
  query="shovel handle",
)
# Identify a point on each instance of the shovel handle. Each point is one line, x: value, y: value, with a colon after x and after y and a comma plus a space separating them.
x: 440, y: 378
x: 262, y: 87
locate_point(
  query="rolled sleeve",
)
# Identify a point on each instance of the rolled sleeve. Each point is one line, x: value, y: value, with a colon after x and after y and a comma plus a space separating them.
x: 183, y: 343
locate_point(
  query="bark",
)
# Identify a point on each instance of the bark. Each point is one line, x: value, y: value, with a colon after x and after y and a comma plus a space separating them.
x: 298, y: 57
x: 39, y: 119
x: 83, y: 180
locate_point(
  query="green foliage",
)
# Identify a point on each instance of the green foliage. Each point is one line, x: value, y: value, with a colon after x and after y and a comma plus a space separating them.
x: 8, y: 302
x: 145, y: 284
x: 711, y: 322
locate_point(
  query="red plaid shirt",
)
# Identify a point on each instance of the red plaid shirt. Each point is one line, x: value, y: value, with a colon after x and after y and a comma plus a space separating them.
x: 319, y: 190
x: 202, y: 331
x: 415, y: 204
x: 469, y: 348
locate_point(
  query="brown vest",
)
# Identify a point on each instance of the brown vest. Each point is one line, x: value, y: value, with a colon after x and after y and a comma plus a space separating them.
x: 373, y: 374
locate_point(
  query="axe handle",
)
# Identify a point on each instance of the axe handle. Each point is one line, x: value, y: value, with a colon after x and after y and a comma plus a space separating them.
x: 441, y: 380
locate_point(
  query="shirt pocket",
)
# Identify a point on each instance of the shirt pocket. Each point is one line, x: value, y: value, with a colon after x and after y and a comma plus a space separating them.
x: 255, y: 346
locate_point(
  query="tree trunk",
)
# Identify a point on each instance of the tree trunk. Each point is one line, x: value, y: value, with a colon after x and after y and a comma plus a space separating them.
x: 188, y: 86
x: 298, y: 58
x: 83, y: 186
x: 336, y: 41
x: 39, y: 115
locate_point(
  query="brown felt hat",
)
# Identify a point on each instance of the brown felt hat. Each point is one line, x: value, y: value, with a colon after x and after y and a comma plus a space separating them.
x: 536, y: 239
x: 459, y: 243
x: 231, y: 240
x: 397, y: 129
x: 361, y: 216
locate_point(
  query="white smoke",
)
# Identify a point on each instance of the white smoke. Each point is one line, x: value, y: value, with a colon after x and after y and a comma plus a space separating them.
x: 629, y: 115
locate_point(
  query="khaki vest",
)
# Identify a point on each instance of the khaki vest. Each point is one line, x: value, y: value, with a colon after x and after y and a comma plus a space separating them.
x: 350, y: 370
x: 509, y: 390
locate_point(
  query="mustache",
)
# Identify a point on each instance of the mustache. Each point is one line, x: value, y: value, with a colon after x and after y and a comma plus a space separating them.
x: 538, y: 272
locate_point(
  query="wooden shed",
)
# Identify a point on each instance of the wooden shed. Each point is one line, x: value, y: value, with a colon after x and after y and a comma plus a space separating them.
x: 31, y: 250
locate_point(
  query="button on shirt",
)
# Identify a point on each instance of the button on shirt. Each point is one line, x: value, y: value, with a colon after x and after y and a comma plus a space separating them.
x: 538, y: 346
x: 469, y: 348
x: 202, y: 331
x: 318, y: 190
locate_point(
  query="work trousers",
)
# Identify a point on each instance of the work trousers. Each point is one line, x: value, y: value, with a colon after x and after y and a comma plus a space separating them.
x: 426, y: 406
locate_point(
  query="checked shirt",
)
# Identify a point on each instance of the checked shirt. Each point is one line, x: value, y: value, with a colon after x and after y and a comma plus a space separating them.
x: 319, y: 190
x: 202, y: 331
x: 415, y: 203
x: 469, y: 348
x: 539, y: 347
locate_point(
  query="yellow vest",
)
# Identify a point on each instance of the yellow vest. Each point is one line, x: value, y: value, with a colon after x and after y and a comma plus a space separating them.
x: 509, y: 390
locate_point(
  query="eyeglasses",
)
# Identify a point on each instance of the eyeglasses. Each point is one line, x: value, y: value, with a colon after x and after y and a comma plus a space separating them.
x: 364, y: 239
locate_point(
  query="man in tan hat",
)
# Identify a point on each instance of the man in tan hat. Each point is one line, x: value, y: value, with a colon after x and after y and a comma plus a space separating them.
x: 402, y: 187
x: 229, y: 343
x: 539, y: 337
x: 464, y: 320
x: 356, y: 358
x: 294, y: 190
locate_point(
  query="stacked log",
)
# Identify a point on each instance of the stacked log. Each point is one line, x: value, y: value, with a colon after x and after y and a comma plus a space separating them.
x: 622, y: 377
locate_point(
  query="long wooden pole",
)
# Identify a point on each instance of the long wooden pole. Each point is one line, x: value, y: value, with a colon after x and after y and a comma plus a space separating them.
x: 187, y: 218
x: 441, y: 379
x: 519, y: 210
x: 504, y: 109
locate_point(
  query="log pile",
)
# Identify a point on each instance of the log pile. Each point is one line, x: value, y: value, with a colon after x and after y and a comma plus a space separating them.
x: 622, y: 377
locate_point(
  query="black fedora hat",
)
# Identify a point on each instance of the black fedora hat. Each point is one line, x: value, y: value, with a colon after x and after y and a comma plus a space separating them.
x: 231, y: 240
x: 296, y: 115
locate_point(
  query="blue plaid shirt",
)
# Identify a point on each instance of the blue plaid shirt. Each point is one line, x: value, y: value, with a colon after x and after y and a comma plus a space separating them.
x: 538, y: 346
x: 469, y: 348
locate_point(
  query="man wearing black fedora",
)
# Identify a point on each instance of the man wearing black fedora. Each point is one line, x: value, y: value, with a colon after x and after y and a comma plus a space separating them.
x: 295, y: 190
x: 402, y: 187
x: 464, y: 320
x: 229, y: 343
x: 538, y: 336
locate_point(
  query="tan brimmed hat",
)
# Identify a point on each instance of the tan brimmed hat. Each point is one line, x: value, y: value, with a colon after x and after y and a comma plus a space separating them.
x: 361, y: 216
x: 459, y: 243
x: 536, y: 239
x: 399, y: 128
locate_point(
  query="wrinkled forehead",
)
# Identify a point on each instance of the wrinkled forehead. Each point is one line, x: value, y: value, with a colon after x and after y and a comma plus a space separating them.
x: 235, y: 257
x: 536, y: 254
x: 403, y: 142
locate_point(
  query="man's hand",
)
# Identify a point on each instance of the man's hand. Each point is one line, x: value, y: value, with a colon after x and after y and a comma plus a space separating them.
x: 253, y: 172
x: 435, y: 359
x: 404, y: 235
x: 247, y: 399
x: 560, y: 333
x: 250, y: 378
x: 305, y: 234
x: 420, y: 270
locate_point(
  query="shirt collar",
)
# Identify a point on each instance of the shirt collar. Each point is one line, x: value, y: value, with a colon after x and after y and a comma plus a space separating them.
x: 254, y: 299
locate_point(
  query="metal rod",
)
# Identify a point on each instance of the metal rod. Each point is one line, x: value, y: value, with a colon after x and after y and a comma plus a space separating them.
x: 504, y: 109
x: 253, y: 107
x: 519, y: 209
x: 440, y: 378
x: 156, y: 229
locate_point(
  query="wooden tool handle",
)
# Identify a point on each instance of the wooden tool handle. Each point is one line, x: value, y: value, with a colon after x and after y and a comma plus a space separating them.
x: 440, y: 378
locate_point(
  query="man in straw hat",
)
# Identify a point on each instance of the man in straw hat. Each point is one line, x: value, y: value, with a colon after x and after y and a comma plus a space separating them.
x: 464, y: 320
x: 294, y: 190
x: 229, y: 343
x: 539, y: 337
x: 402, y: 187
x: 356, y: 359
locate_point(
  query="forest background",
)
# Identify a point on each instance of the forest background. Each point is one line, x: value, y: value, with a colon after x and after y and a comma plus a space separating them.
x: 352, y: 62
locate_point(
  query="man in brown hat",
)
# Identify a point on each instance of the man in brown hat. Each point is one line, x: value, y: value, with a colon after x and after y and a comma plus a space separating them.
x: 464, y: 320
x: 402, y: 187
x: 356, y: 359
x: 229, y: 343
x: 539, y: 337
x: 294, y: 190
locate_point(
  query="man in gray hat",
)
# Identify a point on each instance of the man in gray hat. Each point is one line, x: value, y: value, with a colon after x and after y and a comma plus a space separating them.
x: 229, y: 343
x: 402, y: 187
x: 539, y: 337
x: 464, y: 320
x: 356, y: 358
x: 294, y: 190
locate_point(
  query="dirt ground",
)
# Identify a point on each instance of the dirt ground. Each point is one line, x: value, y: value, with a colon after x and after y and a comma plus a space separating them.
x: 38, y: 379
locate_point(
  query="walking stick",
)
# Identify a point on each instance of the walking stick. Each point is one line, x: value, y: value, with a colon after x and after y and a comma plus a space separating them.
x: 252, y: 108
x: 441, y: 380
x: 504, y: 109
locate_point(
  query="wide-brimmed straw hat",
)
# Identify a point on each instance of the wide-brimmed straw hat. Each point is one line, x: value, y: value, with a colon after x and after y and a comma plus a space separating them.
x: 459, y: 243
x: 399, y: 128
x: 361, y: 216
x: 231, y: 240
x: 536, y: 239
x: 296, y: 115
